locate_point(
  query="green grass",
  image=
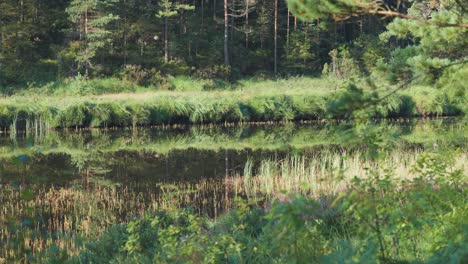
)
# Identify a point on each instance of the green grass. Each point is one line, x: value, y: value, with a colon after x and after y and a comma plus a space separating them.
x: 84, y: 87
x: 250, y: 101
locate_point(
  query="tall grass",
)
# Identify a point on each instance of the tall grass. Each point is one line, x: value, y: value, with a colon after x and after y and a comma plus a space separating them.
x: 382, y: 219
x: 284, y: 100
x: 326, y: 173
x: 36, y: 218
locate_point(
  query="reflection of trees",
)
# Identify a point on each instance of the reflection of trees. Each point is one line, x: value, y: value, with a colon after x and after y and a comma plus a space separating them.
x: 266, y: 137
x: 190, y: 154
x: 91, y: 164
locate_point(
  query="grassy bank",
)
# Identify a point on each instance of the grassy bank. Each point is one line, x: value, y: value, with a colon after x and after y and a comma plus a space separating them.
x: 284, y: 100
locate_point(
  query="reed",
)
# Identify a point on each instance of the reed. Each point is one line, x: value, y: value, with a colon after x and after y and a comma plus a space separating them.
x: 324, y: 174
x: 36, y: 217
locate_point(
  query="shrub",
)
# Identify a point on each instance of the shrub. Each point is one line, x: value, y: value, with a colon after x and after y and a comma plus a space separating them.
x: 342, y: 65
x: 138, y: 75
x: 221, y: 72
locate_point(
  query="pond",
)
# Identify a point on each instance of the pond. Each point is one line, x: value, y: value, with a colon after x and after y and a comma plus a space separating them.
x: 63, y: 184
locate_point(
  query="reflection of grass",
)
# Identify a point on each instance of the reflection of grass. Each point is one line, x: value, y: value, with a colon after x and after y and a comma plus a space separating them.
x: 382, y: 219
x: 46, y: 216
x: 327, y: 173
x: 427, y: 133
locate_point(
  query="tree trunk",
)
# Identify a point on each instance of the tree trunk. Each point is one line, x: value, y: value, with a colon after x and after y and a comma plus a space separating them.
x: 318, y: 31
x: 202, y: 12
x: 214, y: 10
x: 1, y: 42
x: 1, y: 38
x: 246, y: 24
x: 22, y: 11
x: 361, y: 24
x: 233, y: 4
x: 287, y: 29
x: 125, y: 34
x: 226, y: 27
x: 166, y: 41
x: 36, y: 10
x: 202, y: 26
x: 305, y: 41
x: 276, y: 39
x: 86, y: 39
x: 86, y: 22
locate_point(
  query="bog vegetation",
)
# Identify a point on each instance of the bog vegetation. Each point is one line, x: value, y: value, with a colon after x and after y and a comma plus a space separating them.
x: 179, y: 62
x: 412, y: 211
x: 323, y: 194
x: 72, y: 191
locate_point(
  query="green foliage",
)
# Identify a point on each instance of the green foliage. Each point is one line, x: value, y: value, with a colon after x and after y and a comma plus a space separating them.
x: 81, y: 86
x: 379, y: 219
x: 53, y: 41
x: 319, y: 225
x: 91, y: 19
x: 407, y: 224
x: 369, y: 52
x: 434, y: 48
x: 221, y: 72
x: 169, y: 9
x: 342, y: 65
x: 137, y: 75
x: 301, y: 51
x: 313, y: 9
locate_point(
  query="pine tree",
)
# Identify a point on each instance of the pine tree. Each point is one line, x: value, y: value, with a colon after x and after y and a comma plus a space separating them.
x: 299, y: 51
x: 91, y: 19
x: 226, y: 27
x: 167, y: 10
x: 433, y: 47
x: 275, y: 39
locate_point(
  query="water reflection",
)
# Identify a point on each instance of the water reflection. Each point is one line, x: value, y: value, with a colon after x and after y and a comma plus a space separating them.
x: 189, y: 153
x: 63, y: 184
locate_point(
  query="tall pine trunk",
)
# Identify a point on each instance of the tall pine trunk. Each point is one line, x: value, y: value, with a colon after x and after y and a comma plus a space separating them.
x: 1, y: 38
x: 287, y: 29
x: 214, y: 10
x: 246, y: 24
x: 166, y: 41
x: 226, y: 27
x: 202, y: 12
x: 276, y: 39
x: 125, y: 34
x: 86, y: 38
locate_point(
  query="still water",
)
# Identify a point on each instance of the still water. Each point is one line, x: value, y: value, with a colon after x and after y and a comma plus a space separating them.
x: 187, y: 153
x: 141, y: 161
x: 58, y: 186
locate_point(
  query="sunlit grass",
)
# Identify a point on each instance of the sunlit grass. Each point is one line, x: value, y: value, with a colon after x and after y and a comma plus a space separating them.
x: 293, y: 99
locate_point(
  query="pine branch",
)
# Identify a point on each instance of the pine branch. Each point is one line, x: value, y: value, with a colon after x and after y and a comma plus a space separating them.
x: 405, y: 85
